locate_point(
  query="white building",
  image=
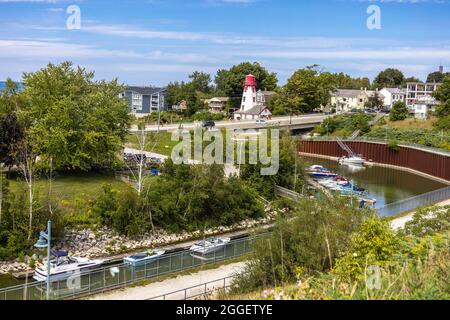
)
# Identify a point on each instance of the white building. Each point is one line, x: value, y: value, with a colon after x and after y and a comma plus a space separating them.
x: 416, y: 90
x: 423, y: 106
x: 345, y: 100
x: 392, y: 95
x: 253, y: 105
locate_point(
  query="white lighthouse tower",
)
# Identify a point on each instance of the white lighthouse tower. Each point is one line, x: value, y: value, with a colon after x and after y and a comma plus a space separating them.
x: 249, y: 94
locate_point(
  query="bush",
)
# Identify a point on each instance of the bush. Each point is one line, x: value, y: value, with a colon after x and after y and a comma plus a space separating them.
x: 307, y: 243
x: 375, y: 243
x: 399, y: 111
x: 427, y: 221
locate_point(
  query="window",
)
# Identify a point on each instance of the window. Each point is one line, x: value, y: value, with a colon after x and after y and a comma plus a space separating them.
x: 136, y: 101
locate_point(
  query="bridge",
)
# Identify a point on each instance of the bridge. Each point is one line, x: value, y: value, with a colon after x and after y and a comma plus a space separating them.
x: 307, y: 121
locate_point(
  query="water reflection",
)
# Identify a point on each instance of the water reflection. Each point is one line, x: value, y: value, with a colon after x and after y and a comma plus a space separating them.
x: 384, y: 184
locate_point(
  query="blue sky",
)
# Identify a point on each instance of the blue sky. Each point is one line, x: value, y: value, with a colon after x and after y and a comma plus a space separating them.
x: 153, y: 42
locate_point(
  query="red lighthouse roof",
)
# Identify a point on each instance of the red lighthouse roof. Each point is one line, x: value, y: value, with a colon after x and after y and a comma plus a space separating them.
x: 250, y: 81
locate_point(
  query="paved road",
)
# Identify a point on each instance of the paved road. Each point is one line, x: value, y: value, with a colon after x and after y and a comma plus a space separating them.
x: 179, y: 283
x: 243, y: 124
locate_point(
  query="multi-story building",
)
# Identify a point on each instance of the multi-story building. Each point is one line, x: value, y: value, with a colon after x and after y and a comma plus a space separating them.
x: 217, y: 104
x: 392, y: 95
x: 350, y: 99
x: 145, y: 100
x: 416, y: 90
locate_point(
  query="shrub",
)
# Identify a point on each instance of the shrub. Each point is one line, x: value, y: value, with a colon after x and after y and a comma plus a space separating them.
x: 311, y: 240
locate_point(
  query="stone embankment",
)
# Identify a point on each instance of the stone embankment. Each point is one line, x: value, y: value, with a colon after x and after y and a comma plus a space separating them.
x: 104, y: 242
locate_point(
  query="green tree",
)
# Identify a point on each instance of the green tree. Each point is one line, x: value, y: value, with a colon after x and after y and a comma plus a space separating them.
x: 200, y: 81
x: 306, y: 90
x: 399, y: 111
x: 437, y: 76
x: 389, y: 78
x: 76, y: 122
x: 374, y: 102
x: 442, y: 94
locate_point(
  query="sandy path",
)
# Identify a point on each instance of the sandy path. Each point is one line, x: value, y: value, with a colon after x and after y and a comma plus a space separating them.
x: 174, y: 284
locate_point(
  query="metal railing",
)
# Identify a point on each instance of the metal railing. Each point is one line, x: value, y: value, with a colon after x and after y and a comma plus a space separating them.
x: 284, y: 192
x: 121, y: 275
x: 409, y: 204
x: 200, y: 291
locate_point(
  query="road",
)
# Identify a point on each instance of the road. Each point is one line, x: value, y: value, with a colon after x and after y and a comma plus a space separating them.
x: 242, y: 124
x: 174, y: 284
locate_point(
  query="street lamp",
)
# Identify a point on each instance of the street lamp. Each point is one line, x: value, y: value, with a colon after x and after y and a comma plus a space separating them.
x: 45, y: 239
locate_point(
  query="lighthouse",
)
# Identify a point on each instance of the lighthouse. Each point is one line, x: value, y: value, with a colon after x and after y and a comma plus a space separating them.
x: 249, y: 94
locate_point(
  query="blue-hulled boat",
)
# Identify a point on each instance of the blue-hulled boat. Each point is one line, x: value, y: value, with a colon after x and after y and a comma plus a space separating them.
x: 143, y: 257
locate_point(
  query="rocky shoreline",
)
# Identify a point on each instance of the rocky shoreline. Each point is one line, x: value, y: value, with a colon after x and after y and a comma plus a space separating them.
x: 104, y: 242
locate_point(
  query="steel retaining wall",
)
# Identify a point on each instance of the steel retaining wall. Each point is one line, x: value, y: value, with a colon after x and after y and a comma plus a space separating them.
x: 428, y: 162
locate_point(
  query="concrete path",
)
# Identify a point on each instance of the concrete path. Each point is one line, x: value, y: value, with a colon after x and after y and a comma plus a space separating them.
x: 400, y: 222
x: 179, y: 283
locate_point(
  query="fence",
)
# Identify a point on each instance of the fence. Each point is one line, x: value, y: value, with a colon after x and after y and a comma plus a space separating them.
x: 287, y: 193
x: 409, y: 204
x: 200, y: 291
x: 121, y: 275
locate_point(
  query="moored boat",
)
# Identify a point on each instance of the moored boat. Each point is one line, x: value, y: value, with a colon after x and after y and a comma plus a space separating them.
x: 143, y: 257
x: 209, y: 245
x: 63, y: 266
x: 351, y: 160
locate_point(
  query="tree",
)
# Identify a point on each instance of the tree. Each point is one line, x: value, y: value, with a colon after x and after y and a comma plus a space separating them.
x: 11, y: 135
x: 344, y: 81
x: 399, y: 111
x: 230, y: 82
x: 442, y: 94
x: 200, y: 81
x: 306, y: 90
x: 374, y: 102
x: 69, y: 118
x: 389, y: 78
x: 437, y: 76
x: 410, y: 79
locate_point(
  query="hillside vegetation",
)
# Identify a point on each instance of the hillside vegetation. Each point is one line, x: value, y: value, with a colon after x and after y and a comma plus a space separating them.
x: 370, y: 262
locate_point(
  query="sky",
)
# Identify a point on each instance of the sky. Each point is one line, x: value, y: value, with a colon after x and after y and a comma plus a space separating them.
x: 154, y: 42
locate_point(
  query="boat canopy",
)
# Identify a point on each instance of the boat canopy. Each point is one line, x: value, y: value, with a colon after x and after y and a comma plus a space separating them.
x: 60, y: 253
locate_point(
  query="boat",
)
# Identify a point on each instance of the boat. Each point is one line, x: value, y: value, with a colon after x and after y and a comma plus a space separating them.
x: 351, y: 160
x: 320, y: 172
x: 209, y: 245
x: 63, y: 266
x: 143, y: 257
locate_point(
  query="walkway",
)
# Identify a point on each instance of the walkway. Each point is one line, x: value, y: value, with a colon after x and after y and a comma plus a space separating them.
x: 174, y: 284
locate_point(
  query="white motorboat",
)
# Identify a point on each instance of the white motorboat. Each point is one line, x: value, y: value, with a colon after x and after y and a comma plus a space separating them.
x: 143, y: 257
x: 63, y: 266
x: 209, y: 245
x: 351, y: 160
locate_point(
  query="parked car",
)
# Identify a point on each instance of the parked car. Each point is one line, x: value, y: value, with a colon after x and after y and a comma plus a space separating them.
x: 208, y: 124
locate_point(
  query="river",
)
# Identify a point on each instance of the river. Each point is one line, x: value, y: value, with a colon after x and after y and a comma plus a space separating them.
x: 386, y: 185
